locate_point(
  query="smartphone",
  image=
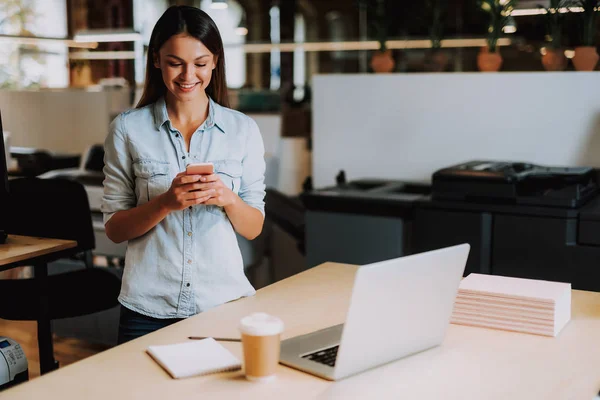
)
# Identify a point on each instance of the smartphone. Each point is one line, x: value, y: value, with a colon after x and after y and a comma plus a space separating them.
x: 200, y: 169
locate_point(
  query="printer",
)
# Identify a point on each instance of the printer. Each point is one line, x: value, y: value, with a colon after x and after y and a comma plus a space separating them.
x: 13, y: 363
x: 521, y: 219
x: 515, y: 182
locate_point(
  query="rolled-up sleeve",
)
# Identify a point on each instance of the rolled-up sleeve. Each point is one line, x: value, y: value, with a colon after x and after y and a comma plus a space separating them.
x: 252, y: 188
x: 119, y: 191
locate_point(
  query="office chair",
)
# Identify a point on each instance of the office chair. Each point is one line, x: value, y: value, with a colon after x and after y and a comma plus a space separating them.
x: 59, y: 209
x: 33, y: 162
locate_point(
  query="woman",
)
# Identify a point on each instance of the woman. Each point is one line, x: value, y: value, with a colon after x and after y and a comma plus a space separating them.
x: 182, y: 256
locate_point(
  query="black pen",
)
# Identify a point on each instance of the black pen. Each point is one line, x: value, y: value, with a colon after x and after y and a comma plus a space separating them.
x: 216, y: 338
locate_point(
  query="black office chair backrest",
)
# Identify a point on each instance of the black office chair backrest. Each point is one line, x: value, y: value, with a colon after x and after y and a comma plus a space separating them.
x: 52, y: 208
x: 94, y: 160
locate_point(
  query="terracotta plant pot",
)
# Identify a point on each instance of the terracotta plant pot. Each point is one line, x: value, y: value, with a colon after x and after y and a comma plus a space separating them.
x: 554, y: 60
x: 81, y: 76
x: 586, y: 58
x: 382, y: 61
x: 436, y: 61
x: 489, y: 62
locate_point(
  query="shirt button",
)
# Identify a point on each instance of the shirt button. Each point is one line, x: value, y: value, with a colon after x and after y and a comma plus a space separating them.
x: 183, y: 157
x: 189, y: 233
x: 188, y: 285
x: 177, y: 135
x: 190, y: 207
x: 189, y: 261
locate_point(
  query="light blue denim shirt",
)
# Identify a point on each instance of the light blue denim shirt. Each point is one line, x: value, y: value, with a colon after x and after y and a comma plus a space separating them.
x: 191, y: 260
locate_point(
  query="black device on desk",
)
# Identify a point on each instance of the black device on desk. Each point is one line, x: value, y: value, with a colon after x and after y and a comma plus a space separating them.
x: 517, y: 183
x: 3, y: 179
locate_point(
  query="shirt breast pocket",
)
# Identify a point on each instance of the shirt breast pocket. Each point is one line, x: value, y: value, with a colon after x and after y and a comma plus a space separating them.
x: 230, y: 173
x: 151, y: 179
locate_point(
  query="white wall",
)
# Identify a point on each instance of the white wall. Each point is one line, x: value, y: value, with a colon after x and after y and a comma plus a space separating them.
x: 66, y: 121
x: 71, y: 120
x: 406, y: 126
x: 287, y: 159
x: 270, y: 130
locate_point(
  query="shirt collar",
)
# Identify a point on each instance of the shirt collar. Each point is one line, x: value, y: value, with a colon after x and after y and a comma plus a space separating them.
x: 160, y: 112
x: 215, y: 115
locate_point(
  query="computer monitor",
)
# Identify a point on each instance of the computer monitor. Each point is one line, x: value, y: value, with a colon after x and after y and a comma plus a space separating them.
x: 3, y: 180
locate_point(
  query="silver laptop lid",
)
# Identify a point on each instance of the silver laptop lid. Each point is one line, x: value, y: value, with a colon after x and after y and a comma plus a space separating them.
x: 399, y: 307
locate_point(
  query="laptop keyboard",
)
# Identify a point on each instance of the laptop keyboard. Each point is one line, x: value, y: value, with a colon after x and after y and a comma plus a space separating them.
x: 326, y: 356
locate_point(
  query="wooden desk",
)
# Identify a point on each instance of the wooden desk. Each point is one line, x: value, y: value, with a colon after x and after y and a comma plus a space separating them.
x: 26, y: 250
x: 22, y: 249
x: 472, y: 363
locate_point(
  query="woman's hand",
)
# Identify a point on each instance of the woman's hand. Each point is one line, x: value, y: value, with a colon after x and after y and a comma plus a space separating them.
x: 221, y: 195
x: 186, y: 191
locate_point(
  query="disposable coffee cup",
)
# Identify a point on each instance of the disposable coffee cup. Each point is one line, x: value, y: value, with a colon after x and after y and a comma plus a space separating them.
x: 261, y: 343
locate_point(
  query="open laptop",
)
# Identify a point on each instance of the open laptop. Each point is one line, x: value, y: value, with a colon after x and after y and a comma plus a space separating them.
x: 398, y: 307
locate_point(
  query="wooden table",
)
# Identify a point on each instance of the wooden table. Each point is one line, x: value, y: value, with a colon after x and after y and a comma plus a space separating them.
x: 26, y: 250
x: 23, y: 249
x: 472, y: 363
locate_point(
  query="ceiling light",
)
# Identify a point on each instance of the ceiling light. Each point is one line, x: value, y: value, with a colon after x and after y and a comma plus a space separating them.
x: 219, y: 4
x: 540, y: 11
x: 242, y: 28
x: 511, y: 25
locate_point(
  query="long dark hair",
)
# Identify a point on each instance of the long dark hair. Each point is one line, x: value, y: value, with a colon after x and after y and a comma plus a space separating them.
x: 196, y: 23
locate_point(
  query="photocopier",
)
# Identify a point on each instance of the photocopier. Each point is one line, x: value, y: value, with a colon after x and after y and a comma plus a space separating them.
x: 517, y: 183
x: 521, y: 219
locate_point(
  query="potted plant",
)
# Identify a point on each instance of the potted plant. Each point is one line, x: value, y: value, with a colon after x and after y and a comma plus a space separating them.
x: 436, y: 60
x: 382, y: 60
x: 489, y: 58
x: 554, y: 59
x: 586, y: 55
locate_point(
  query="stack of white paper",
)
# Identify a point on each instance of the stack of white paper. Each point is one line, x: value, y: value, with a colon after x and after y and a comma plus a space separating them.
x: 514, y: 304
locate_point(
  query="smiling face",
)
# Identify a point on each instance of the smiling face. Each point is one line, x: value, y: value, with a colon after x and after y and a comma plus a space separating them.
x: 186, y: 66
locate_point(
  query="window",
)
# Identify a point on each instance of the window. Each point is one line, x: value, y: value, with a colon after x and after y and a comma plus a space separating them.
x: 299, y: 54
x: 29, y: 66
x: 299, y: 58
x: 275, y: 54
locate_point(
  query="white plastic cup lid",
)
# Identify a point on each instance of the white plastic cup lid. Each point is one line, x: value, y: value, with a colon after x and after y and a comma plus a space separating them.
x: 261, y: 324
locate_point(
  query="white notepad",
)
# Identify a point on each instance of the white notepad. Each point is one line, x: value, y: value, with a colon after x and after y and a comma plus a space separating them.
x: 199, y: 357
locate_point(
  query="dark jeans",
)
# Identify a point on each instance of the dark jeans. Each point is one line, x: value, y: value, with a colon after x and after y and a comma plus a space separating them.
x: 132, y: 325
